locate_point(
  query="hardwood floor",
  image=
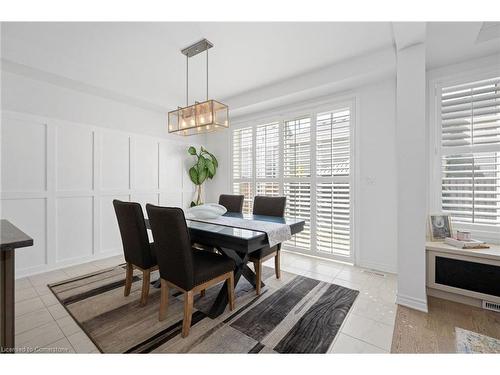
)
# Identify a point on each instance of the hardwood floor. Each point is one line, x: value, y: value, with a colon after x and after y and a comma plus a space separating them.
x: 417, y: 332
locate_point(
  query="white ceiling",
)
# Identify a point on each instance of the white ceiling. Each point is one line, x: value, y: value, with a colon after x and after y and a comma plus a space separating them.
x: 142, y: 60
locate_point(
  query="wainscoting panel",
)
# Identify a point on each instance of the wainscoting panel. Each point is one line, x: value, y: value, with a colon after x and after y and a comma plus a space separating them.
x: 146, y: 163
x: 75, y: 233
x: 23, y: 155
x: 115, y: 162
x: 59, y: 180
x: 28, y: 214
x: 74, y: 158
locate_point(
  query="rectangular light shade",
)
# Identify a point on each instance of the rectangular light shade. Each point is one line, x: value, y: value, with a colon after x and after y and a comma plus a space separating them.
x: 199, y: 118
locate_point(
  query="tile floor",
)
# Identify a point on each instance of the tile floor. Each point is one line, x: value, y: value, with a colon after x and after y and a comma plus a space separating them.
x: 42, y: 323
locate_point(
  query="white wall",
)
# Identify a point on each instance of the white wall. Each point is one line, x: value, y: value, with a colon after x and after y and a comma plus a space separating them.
x: 66, y: 154
x: 59, y: 179
x: 375, y: 192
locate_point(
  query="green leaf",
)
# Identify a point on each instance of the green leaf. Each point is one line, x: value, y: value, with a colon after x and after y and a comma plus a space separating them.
x: 210, y: 168
x: 192, y: 150
x: 201, y: 163
x: 202, y: 175
x: 194, y: 175
x: 216, y: 163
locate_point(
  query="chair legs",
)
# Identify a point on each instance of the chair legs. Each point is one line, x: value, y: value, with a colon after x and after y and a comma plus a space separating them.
x: 277, y: 269
x: 145, y: 286
x: 188, y: 312
x: 257, y: 265
x: 258, y: 275
x: 128, y: 279
x: 189, y: 297
x: 230, y: 289
x: 163, y: 299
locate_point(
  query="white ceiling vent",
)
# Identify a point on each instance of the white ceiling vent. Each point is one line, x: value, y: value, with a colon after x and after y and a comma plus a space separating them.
x: 489, y: 31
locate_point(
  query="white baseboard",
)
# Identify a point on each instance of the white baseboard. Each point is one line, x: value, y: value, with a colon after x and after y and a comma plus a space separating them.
x: 378, y: 266
x: 411, y: 302
x: 25, y: 272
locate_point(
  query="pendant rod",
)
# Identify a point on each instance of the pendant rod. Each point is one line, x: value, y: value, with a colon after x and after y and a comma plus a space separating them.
x: 207, y: 74
x: 187, y: 80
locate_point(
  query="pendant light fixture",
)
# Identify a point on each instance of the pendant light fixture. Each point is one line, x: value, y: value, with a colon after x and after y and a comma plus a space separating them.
x: 198, y: 118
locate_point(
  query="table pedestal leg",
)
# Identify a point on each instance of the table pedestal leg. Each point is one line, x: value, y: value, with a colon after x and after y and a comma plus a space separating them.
x: 241, y: 269
x: 6, y: 300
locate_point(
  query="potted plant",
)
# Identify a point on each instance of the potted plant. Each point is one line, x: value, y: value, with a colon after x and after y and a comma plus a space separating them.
x: 205, y: 167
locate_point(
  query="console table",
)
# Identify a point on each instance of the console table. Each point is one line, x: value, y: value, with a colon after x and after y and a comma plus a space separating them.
x: 11, y: 238
x: 470, y: 276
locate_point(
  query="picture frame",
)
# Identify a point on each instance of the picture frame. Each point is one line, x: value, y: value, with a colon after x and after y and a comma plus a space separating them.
x: 440, y: 227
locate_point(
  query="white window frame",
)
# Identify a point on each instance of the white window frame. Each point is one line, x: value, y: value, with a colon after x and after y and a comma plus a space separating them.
x: 483, y: 232
x: 310, y: 110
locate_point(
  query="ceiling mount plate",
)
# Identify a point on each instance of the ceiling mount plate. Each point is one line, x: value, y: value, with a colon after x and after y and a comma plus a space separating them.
x: 197, y: 48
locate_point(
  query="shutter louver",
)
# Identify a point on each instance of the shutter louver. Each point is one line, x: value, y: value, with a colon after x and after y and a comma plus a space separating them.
x: 333, y: 218
x: 471, y: 188
x: 242, y: 153
x: 470, y: 119
x: 270, y: 189
x: 297, y: 148
x: 245, y: 188
x: 298, y: 205
x: 333, y: 143
x: 470, y: 114
x: 267, y: 151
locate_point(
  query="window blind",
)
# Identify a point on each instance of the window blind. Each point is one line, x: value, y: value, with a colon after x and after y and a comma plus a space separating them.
x: 298, y: 205
x: 333, y: 143
x: 267, y: 150
x: 271, y: 189
x: 470, y: 114
x: 470, y: 140
x: 297, y: 148
x: 245, y: 188
x: 243, y: 153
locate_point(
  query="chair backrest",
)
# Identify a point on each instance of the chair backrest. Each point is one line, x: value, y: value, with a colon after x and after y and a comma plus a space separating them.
x: 233, y: 203
x: 269, y: 206
x: 172, y: 244
x: 133, y: 232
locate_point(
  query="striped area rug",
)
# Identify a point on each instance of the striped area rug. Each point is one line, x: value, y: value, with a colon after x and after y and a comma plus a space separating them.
x: 295, y: 314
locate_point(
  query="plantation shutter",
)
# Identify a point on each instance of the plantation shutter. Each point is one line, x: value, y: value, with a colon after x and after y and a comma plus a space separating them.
x: 470, y: 140
x: 297, y: 148
x: 242, y: 153
x: 333, y: 143
x: 298, y: 205
x: 267, y: 151
x: 243, y: 166
x: 333, y: 133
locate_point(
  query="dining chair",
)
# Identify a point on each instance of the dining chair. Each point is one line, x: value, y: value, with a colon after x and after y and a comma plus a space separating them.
x: 181, y: 267
x: 139, y: 253
x: 233, y: 203
x: 268, y: 206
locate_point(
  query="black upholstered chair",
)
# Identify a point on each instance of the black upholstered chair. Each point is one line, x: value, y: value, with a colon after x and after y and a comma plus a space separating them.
x: 269, y: 206
x: 180, y: 266
x: 233, y: 203
x: 139, y: 253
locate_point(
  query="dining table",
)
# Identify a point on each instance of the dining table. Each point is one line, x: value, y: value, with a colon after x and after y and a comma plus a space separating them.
x: 237, y: 244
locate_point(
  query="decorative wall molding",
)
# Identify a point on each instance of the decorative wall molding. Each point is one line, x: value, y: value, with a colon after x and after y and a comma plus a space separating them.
x: 55, y: 79
x: 59, y: 179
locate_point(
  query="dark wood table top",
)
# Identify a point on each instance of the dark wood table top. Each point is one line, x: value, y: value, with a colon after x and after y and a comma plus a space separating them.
x: 244, y: 240
x: 11, y: 237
